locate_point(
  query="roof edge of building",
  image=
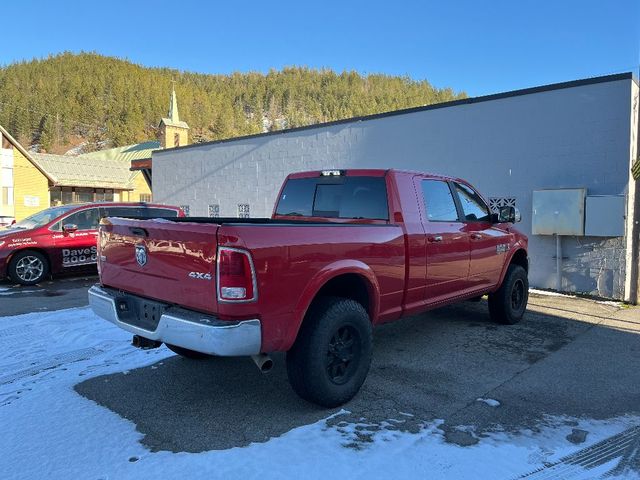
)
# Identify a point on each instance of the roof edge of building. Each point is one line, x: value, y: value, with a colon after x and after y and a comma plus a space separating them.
x: 454, y: 103
x: 26, y: 154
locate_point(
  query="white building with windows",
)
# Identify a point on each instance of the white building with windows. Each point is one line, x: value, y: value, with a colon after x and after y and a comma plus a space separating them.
x: 514, y: 146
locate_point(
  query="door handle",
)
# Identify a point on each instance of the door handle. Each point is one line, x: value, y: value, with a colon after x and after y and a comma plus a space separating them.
x: 476, y: 236
x: 436, y: 238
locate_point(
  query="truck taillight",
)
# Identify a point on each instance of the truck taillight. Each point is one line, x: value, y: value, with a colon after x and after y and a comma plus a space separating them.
x: 236, y: 277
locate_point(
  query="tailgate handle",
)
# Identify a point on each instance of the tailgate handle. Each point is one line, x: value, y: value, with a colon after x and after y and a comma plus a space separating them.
x: 140, y: 232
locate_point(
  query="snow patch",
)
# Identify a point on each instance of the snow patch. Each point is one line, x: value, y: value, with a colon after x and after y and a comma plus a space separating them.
x: 549, y: 293
x: 49, y: 431
x: 489, y: 401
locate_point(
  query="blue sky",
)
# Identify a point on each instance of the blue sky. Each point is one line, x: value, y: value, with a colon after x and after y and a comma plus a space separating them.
x: 480, y: 47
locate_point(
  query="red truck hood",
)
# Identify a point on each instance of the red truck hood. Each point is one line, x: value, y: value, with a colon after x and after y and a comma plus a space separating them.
x: 174, y: 265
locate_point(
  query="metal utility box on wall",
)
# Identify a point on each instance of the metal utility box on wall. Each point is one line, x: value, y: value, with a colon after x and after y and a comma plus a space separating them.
x: 604, y: 216
x: 558, y: 212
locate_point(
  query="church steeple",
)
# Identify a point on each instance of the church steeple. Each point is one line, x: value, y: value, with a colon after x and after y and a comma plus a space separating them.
x: 173, y: 106
x: 173, y: 131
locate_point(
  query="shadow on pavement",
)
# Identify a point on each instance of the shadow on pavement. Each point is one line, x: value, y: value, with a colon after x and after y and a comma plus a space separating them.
x: 560, y: 360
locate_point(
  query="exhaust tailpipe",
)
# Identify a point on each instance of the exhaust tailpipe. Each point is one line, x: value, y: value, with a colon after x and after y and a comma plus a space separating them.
x: 144, y: 343
x: 263, y: 362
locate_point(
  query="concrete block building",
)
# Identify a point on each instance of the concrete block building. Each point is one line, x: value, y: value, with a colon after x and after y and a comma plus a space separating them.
x: 575, y: 135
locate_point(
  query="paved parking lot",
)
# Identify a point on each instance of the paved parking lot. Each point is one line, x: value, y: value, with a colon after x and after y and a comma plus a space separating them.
x: 569, y: 356
x: 62, y: 292
x: 570, y: 364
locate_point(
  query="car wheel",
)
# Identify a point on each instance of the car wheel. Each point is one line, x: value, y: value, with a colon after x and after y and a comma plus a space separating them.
x: 330, y: 359
x: 508, y: 304
x: 186, y: 353
x: 28, y: 267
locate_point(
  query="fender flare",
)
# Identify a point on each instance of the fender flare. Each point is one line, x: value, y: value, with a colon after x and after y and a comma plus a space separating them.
x: 516, y: 248
x: 326, y: 274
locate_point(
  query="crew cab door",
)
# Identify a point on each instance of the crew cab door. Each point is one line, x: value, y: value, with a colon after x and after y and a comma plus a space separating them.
x: 75, y: 249
x: 447, y: 243
x: 488, y: 241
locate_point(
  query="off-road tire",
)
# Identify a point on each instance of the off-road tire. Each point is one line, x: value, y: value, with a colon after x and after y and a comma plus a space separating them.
x: 508, y: 304
x: 28, y: 267
x: 186, y: 353
x: 335, y: 337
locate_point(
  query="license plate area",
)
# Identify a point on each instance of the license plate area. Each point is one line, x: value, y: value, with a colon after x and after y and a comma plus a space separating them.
x: 140, y: 312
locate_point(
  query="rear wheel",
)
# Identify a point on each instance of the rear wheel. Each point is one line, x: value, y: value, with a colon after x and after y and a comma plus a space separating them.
x: 186, y: 353
x: 508, y: 304
x: 331, y: 357
x: 28, y: 267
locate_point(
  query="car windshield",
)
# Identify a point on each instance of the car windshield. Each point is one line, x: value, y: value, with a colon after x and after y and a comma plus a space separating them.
x: 42, y: 218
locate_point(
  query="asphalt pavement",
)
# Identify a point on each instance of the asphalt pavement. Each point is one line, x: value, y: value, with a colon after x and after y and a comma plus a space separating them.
x: 57, y: 294
x: 568, y: 357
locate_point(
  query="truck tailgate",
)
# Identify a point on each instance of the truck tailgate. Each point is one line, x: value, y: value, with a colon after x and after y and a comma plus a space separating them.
x: 159, y: 259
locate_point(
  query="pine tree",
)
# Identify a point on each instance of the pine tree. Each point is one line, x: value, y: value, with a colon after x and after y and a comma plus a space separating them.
x: 69, y: 98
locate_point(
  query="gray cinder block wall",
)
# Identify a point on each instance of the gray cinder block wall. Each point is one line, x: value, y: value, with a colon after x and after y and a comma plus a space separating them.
x: 565, y: 136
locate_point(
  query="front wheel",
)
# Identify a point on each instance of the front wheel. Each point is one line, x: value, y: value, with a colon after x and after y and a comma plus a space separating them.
x: 508, y: 304
x: 330, y: 359
x: 28, y: 267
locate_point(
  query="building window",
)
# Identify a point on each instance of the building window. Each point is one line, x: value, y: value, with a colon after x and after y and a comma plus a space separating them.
x: 7, y: 196
x: 214, y: 211
x: 185, y: 209
x: 103, y: 195
x: 6, y: 176
x: 145, y: 197
x: 55, y: 196
x: 243, y: 210
x: 176, y: 139
x: 83, y: 195
x: 66, y: 194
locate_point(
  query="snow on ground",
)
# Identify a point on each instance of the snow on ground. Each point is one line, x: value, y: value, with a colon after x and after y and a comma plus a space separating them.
x: 49, y: 431
x: 549, y: 293
x: 489, y: 401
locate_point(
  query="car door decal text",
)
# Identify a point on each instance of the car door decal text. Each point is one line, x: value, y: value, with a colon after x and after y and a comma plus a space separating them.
x: 72, y: 257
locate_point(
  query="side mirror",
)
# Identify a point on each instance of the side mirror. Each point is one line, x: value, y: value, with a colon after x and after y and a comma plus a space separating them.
x: 68, y: 228
x: 509, y: 215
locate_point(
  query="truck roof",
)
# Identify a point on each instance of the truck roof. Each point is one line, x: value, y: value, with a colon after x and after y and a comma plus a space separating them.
x: 370, y: 172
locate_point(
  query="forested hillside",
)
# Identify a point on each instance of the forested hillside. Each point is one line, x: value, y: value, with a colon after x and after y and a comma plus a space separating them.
x: 69, y: 99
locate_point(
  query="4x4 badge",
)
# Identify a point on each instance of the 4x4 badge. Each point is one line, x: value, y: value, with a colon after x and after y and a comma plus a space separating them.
x: 141, y: 255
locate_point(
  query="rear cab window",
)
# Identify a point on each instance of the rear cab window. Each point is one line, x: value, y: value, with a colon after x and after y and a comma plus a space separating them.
x: 343, y: 197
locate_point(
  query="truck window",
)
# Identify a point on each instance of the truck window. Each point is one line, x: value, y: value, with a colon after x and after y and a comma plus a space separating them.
x: 438, y: 200
x: 335, y: 197
x: 473, y: 206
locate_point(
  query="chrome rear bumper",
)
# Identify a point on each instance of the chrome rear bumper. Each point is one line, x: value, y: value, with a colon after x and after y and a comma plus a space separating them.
x: 185, y: 328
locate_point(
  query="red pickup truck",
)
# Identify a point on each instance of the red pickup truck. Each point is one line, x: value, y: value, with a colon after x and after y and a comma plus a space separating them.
x: 62, y: 238
x: 343, y: 251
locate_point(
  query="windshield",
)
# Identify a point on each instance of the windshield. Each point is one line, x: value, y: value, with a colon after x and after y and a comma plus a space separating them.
x: 42, y: 218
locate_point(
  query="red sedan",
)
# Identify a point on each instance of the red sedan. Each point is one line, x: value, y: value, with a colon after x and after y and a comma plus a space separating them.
x: 63, y: 238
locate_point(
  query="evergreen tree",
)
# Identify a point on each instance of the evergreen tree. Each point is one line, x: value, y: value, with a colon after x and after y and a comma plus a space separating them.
x: 67, y: 99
